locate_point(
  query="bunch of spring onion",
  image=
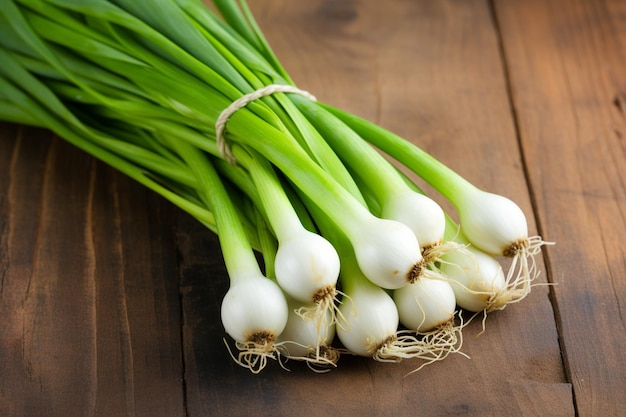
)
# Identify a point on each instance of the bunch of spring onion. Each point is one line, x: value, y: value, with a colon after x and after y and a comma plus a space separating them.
x: 196, y: 107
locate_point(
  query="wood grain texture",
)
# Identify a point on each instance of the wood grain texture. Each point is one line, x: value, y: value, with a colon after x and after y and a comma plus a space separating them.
x: 109, y: 296
x: 89, y: 295
x: 568, y: 80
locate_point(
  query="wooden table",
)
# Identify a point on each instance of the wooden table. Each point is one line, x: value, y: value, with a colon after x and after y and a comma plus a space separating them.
x: 109, y: 296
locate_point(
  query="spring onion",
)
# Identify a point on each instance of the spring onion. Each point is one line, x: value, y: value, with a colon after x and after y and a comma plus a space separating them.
x: 254, y: 310
x: 196, y: 107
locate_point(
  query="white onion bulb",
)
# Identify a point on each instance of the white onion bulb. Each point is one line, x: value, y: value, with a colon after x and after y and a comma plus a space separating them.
x: 420, y: 213
x: 254, y: 310
x: 425, y: 304
x: 371, y: 320
x: 387, y: 252
x: 309, y: 340
x: 477, y: 278
x: 492, y: 222
x: 305, y: 264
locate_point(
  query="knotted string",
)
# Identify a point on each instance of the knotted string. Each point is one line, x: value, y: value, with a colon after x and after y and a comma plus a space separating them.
x: 242, y: 102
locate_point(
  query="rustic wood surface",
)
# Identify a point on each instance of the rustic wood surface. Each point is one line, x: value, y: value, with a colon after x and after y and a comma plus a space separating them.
x: 109, y: 296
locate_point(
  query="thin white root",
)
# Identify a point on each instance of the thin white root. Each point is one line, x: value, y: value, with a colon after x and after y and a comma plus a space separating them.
x: 431, y: 346
x: 434, y: 253
x: 441, y: 342
x: 320, y: 359
x: 521, y: 275
x: 254, y: 355
x: 519, y: 279
x: 326, y: 302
